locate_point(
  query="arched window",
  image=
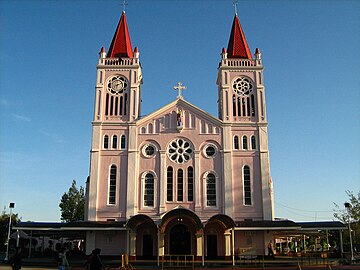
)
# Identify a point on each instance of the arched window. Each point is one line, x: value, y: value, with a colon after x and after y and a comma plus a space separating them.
x: 253, y: 142
x: 180, y: 185
x: 149, y: 189
x: 190, y: 179
x: 114, y: 142
x: 247, y: 185
x: 244, y: 143
x: 106, y: 142
x: 112, y: 185
x: 123, y: 142
x: 169, y: 184
x: 210, y: 190
x: 236, y: 142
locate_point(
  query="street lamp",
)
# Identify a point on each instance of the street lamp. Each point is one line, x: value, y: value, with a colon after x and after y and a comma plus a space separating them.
x: 11, y: 206
x: 348, y: 206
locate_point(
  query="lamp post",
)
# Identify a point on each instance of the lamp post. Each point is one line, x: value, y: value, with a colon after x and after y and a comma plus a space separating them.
x: 11, y: 206
x: 348, y: 206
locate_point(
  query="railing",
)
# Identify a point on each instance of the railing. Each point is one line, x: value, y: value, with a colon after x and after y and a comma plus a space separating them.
x: 239, y: 62
x: 118, y: 61
x: 177, y: 261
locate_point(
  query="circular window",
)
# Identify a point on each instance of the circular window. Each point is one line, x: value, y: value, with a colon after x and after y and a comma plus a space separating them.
x: 180, y: 151
x: 242, y: 86
x: 149, y: 150
x: 117, y: 84
x: 210, y: 150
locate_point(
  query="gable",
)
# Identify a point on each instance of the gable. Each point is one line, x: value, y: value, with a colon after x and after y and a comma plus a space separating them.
x: 178, y: 116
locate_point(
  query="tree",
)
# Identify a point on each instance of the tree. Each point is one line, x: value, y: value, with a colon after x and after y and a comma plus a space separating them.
x: 350, y: 214
x: 4, y: 227
x: 72, y: 204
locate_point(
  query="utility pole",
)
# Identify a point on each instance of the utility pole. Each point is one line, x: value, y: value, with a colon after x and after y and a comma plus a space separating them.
x: 11, y: 206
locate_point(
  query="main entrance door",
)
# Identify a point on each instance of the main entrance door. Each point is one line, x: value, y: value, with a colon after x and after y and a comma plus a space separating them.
x: 211, y: 246
x: 180, y: 240
x: 147, y: 246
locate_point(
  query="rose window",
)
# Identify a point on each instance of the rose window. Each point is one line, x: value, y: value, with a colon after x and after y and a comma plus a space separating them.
x: 180, y: 151
x: 242, y: 86
x: 117, y: 85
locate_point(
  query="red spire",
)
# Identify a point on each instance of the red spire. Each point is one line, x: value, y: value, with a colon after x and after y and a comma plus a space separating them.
x: 238, y: 47
x: 121, y: 43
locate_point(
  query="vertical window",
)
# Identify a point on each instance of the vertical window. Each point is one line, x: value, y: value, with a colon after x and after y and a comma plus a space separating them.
x: 112, y: 185
x: 114, y: 142
x: 211, y: 190
x: 236, y: 142
x: 253, y: 142
x: 244, y: 143
x: 121, y: 106
x: 234, y: 105
x: 107, y: 105
x: 169, y: 184
x: 190, y: 178
x: 111, y: 105
x: 125, y: 103
x: 149, y: 190
x: 252, y: 105
x: 180, y: 185
x: 106, y: 142
x: 123, y: 142
x: 247, y: 185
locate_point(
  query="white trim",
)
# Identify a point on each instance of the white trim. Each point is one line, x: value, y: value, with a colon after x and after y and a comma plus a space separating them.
x: 217, y: 188
x: 142, y: 191
x: 251, y: 185
x: 116, y: 185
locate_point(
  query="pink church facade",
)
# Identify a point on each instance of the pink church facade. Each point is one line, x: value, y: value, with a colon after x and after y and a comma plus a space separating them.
x: 180, y: 180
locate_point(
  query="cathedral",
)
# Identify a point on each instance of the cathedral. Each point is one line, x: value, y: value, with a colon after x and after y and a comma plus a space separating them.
x: 179, y: 180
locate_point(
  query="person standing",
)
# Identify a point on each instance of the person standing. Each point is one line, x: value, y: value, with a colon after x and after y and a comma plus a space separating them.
x: 270, y: 250
x: 63, y: 262
x: 15, y: 260
x: 96, y: 263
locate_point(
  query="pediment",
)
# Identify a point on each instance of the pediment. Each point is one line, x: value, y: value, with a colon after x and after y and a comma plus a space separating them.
x: 177, y: 116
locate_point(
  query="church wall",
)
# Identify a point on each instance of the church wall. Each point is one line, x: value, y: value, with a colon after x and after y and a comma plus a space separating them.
x: 249, y: 242
x: 111, y: 242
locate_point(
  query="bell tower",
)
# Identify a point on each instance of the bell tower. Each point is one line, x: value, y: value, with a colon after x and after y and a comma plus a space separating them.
x: 117, y: 108
x: 240, y: 80
x: 241, y: 107
x: 119, y: 79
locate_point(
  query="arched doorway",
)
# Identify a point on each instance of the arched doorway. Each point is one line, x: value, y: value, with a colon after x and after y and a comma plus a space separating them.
x: 180, y: 240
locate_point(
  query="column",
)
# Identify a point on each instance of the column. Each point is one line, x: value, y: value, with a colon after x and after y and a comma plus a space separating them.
x: 161, y: 245
x: 227, y: 235
x: 199, y: 245
x: 132, y: 247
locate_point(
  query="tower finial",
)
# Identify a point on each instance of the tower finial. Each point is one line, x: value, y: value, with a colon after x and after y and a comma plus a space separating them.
x: 124, y: 5
x: 235, y: 2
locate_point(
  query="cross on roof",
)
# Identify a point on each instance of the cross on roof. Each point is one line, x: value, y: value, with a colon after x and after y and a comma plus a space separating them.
x: 124, y: 5
x: 179, y: 88
x: 235, y: 2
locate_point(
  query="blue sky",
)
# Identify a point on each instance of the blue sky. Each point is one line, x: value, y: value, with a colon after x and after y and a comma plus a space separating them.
x: 310, y: 50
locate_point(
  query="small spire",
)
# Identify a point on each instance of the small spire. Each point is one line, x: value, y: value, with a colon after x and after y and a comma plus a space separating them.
x: 235, y: 2
x: 121, y: 43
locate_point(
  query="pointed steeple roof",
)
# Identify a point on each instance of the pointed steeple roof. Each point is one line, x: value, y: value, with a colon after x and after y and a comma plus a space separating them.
x: 121, y: 43
x: 238, y: 46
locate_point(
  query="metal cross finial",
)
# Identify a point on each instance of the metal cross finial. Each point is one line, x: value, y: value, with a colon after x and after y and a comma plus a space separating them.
x: 124, y: 5
x: 235, y: 2
x: 179, y: 88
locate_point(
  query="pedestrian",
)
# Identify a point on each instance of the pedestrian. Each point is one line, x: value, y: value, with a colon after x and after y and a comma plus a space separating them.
x: 62, y: 260
x: 96, y: 263
x: 270, y: 250
x: 15, y: 260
